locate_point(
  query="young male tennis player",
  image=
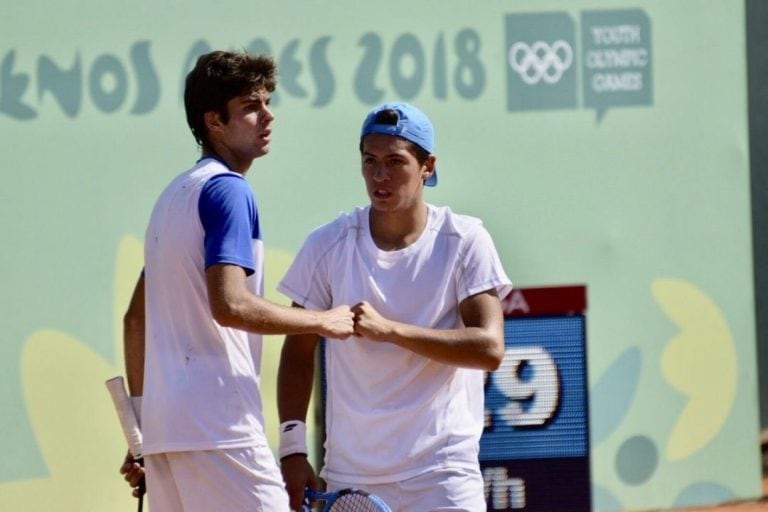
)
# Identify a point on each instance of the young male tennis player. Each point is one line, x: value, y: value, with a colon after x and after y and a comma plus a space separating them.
x: 199, y: 364
x: 404, y: 409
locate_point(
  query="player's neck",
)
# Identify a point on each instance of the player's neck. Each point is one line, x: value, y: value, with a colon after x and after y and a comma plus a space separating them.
x: 395, y: 230
x: 229, y: 159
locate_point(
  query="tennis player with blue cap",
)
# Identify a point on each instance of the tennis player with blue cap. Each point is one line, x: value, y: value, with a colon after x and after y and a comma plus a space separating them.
x: 404, y: 398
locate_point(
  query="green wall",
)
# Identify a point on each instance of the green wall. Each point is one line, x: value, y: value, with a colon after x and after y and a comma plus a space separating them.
x: 624, y: 165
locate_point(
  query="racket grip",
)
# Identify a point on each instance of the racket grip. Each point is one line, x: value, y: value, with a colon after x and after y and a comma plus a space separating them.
x: 142, y: 487
x: 126, y: 415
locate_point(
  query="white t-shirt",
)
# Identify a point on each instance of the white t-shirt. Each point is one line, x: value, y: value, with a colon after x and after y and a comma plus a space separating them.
x: 392, y: 414
x: 201, y: 380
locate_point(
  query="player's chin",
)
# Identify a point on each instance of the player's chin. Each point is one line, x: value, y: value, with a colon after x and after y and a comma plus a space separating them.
x: 262, y: 148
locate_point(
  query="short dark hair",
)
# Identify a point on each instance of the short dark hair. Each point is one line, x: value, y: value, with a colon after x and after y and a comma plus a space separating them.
x: 390, y: 116
x: 218, y: 77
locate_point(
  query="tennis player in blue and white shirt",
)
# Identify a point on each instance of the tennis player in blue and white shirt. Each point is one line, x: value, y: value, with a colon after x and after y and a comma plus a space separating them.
x: 404, y: 400
x: 198, y: 361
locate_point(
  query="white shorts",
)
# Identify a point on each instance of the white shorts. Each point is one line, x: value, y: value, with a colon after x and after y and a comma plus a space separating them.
x: 448, y: 489
x: 238, y: 479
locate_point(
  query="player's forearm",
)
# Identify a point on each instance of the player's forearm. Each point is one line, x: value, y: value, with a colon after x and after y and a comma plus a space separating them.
x: 480, y: 344
x: 233, y: 305
x: 295, y: 378
x: 134, y: 360
x: 255, y: 314
x: 133, y: 340
x: 469, y: 347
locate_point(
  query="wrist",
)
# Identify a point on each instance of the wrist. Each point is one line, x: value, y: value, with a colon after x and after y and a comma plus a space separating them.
x: 319, y: 321
x: 293, y: 438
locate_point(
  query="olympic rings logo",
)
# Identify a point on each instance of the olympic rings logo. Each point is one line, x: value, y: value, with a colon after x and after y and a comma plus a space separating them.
x: 541, y: 61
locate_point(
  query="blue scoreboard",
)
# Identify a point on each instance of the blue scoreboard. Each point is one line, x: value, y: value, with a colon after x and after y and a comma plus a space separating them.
x: 534, y: 451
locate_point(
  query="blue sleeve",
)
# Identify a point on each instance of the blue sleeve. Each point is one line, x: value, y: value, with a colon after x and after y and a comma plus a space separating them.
x: 228, y: 213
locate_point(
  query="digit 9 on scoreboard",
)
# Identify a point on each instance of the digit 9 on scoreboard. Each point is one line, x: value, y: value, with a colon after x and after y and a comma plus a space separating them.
x: 528, y: 380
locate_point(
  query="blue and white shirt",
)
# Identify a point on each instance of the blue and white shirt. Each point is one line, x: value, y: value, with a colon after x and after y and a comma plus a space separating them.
x: 201, y: 380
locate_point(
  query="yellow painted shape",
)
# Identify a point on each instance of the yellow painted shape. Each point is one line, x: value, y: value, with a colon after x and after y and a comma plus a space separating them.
x: 72, y: 416
x: 700, y: 362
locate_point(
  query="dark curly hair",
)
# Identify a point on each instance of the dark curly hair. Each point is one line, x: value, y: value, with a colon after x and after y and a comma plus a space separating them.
x: 220, y: 76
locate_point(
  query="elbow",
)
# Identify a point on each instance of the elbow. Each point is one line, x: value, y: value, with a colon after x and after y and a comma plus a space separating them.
x: 492, y: 363
x: 230, y: 311
x: 494, y: 355
x: 225, y: 314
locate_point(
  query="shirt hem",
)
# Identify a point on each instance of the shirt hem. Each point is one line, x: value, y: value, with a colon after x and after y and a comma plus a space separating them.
x: 358, y: 479
x: 194, y: 447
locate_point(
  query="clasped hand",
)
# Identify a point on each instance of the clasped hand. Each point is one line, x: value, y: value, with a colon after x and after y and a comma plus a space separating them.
x: 369, y: 323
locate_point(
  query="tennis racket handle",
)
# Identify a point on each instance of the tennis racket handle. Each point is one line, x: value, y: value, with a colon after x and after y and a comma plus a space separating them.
x: 310, y: 494
x: 126, y: 415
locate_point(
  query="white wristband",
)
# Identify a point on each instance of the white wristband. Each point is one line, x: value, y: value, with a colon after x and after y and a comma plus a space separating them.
x: 136, y: 404
x: 293, y: 438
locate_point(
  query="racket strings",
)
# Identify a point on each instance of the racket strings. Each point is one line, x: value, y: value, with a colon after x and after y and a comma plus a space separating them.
x: 354, y: 503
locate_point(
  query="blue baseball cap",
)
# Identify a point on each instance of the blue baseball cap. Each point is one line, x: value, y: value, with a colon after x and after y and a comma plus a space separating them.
x: 412, y: 124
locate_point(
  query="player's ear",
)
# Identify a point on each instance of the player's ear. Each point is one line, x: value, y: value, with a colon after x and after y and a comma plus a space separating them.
x: 429, y: 167
x: 212, y: 120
